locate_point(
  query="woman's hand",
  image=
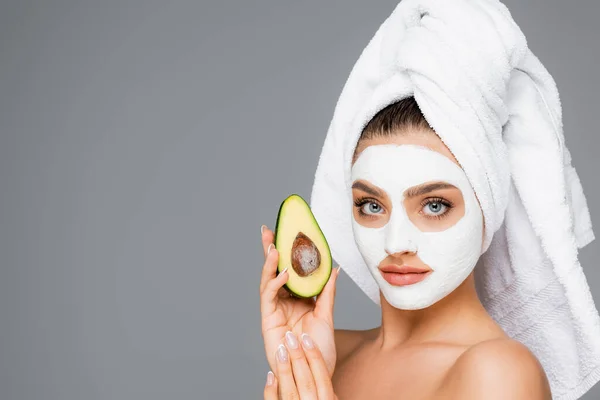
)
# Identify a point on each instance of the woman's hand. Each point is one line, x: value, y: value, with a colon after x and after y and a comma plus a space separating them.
x: 301, y: 372
x: 280, y: 312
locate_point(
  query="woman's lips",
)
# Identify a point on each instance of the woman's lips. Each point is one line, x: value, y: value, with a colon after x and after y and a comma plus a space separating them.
x: 405, y: 275
x: 397, y: 279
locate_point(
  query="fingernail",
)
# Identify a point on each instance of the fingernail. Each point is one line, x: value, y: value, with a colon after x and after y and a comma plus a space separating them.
x: 282, y: 354
x: 291, y: 340
x: 270, y: 378
x: 307, y: 341
x: 338, y: 270
x: 262, y: 229
x: 269, y: 248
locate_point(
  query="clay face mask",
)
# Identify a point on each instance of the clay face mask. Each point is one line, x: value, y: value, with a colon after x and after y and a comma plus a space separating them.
x: 451, y: 252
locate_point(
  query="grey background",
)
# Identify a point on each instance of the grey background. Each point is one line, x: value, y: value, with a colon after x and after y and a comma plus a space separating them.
x: 142, y: 145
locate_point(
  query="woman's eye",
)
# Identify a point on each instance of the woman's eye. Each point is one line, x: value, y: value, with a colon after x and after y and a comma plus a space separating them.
x: 370, y: 206
x: 435, y: 208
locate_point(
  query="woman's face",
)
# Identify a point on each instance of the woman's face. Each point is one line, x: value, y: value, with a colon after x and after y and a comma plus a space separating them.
x: 414, y: 206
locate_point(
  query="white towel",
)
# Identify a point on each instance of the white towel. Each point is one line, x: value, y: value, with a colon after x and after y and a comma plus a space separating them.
x: 498, y: 110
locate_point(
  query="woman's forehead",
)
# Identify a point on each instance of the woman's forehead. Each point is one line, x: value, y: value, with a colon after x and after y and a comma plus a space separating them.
x: 401, y: 166
x: 429, y: 139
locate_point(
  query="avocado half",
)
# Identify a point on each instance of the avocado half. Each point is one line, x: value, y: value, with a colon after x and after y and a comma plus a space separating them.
x: 302, y: 248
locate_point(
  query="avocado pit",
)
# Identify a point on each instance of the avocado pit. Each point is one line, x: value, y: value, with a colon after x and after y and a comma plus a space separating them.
x: 306, y: 257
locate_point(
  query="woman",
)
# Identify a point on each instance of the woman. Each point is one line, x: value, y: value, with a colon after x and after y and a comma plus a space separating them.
x: 445, y: 154
x: 451, y: 349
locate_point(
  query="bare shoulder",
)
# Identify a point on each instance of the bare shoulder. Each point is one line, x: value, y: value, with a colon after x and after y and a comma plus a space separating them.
x: 497, y: 369
x: 346, y: 340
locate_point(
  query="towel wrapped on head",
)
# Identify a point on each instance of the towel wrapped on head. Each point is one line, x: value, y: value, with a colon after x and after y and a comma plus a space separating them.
x: 497, y: 109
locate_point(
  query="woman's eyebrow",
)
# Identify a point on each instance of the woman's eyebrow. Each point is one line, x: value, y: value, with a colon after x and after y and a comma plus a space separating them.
x: 368, y: 189
x: 426, y: 188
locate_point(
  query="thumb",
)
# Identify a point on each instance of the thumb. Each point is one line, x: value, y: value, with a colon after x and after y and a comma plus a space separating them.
x: 326, y: 299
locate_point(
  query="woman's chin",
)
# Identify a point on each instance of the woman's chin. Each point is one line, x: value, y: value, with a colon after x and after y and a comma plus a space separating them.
x: 402, y: 298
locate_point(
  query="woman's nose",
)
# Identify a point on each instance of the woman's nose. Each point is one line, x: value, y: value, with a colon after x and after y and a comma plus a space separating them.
x: 400, y: 235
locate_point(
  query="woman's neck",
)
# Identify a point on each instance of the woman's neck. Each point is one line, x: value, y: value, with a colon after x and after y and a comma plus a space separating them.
x: 448, y: 320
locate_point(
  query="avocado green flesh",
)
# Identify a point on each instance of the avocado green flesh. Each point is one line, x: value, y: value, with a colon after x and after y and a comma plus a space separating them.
x: 294, y: 218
